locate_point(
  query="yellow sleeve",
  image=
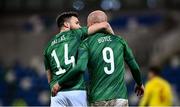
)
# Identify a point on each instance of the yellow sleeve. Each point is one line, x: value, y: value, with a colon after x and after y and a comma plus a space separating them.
x: 169, y: 96
x: 144, y: 100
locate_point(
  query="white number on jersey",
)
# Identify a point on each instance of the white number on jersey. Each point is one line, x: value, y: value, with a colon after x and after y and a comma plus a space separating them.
x: 108, y: 60
x: 66, y: 59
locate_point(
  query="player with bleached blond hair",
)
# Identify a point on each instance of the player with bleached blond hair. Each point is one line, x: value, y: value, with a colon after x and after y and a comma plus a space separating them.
x: 104, y: 55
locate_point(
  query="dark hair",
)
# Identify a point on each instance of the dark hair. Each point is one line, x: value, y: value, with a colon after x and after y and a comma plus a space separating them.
x: 63, y: 17
x: 155, y: 69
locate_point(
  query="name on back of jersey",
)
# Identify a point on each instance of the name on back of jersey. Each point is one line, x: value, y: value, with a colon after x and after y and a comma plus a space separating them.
x: 58, y: 40
x: 104, y: 39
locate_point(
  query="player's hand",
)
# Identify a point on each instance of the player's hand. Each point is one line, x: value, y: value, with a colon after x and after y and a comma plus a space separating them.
x: 55, y: 89
x: 139, y: 90
x: 109, y: 29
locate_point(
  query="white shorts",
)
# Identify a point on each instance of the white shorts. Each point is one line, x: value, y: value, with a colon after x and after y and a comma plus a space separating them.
x: 69, y: 98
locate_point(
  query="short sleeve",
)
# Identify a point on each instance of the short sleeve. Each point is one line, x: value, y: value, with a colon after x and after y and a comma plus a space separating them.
x: 82, y: 32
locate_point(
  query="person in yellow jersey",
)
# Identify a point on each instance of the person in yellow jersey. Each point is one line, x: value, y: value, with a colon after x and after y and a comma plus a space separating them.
x: 157, y: 90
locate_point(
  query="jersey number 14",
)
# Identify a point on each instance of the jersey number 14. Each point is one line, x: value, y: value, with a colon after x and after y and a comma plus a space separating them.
x: 66, y: 59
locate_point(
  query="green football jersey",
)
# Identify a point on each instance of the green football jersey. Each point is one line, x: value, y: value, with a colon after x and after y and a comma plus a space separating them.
x: 104, y: 54
x: 60, y: 57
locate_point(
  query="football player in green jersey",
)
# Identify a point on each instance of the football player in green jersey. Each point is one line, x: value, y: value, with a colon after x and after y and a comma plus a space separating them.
x: 104, y: 54
x: 60, y: 57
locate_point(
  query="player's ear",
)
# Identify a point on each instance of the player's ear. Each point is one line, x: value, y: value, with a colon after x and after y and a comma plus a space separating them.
x: 90, y: 23
x: 66, y: 24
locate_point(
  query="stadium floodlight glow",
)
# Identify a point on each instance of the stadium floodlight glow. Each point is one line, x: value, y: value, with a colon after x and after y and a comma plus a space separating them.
x: 110, y: 4
x: 78, y: 4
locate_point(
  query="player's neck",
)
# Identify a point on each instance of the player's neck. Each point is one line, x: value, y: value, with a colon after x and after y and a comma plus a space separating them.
x: 63, y: 29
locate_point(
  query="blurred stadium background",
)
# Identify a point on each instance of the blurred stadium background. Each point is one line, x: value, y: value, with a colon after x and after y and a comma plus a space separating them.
x: 151, y: 27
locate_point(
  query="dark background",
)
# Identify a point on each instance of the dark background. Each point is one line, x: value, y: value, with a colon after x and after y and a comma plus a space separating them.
x: 151, y: 28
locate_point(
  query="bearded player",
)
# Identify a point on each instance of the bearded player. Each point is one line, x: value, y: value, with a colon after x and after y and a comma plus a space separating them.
x: 60, y: 57
x: 104, y: 54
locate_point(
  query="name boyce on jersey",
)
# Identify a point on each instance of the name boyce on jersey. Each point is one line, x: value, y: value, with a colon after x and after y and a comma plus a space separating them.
x: 104, y: 39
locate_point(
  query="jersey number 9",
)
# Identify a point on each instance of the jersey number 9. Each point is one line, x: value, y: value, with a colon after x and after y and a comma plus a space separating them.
x: 109, y: 60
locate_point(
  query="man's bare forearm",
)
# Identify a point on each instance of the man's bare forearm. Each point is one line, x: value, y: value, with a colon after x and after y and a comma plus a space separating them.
x: 109, y: 29
x: 49, y: 76
x: 100, y: 26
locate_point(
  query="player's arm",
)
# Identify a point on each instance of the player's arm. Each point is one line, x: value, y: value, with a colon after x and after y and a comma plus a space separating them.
x: 54, y: 88
x: 169, y: 95
x: 134, y: 68
x: 47, y: 67
x: 49, y: 76
x: 100, y: 26
x: 131, y: 62
x: 80, y: 66
x: 84, y: 32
